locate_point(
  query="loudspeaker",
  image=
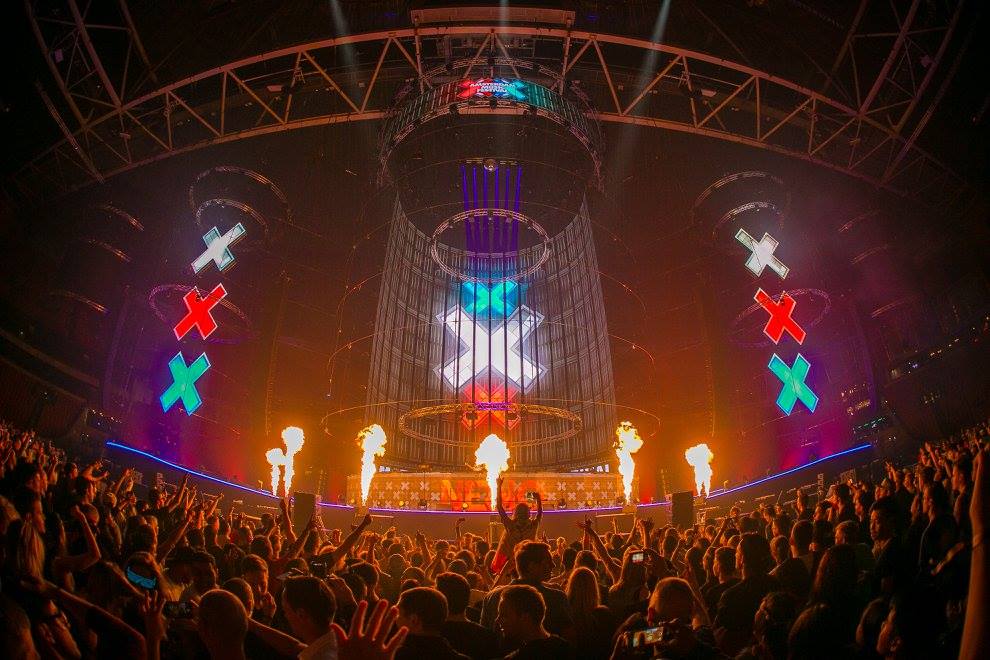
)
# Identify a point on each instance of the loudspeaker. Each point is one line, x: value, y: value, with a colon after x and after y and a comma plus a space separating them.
x: 682, y: 509
x: 304, y: 506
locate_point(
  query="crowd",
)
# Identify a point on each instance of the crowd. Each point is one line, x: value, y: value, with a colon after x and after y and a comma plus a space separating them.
x: 895, y: 569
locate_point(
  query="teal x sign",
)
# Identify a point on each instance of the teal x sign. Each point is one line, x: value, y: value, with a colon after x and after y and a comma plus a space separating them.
x: 794, y: 389
x: 502, y: 297
x: 184, y: 383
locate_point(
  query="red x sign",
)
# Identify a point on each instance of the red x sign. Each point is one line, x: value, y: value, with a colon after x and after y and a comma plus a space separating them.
x: 780, y: 317
x: 199, y: 312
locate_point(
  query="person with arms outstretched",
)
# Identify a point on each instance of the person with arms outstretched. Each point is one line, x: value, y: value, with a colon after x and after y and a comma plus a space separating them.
x: 520, y: 527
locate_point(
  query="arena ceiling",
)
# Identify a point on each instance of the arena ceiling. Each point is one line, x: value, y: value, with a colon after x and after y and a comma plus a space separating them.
x: 880, y: 91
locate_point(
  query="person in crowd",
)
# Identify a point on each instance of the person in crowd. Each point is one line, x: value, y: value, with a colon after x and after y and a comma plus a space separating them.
x: 521, y: 612
x: 790, y: 571
x: 309, y: 608
x: 520, y: 527
x: 836, y: 585
x: 423, y: 610
x: 771, y: 626
x: 223, y: 625
x: 738, y: 605
x: 95, y: 564
x: 467, y: 637
x: 534, y: 564
x: 727, y: 575
x: 594, y: 624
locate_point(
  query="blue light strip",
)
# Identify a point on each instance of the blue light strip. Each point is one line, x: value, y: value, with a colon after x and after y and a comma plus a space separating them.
x: 791, y: 471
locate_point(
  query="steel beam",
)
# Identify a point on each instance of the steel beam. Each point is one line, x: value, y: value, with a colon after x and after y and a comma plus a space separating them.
x: 777, y: 115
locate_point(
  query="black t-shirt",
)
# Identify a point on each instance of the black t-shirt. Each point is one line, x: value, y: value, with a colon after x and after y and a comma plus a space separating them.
x: 794, y: 577
x: 713, y: 593
x: 415, y: 647
x: 550, y: 648
x: 736, y: 610
x: 471, y: 639
x: 893, y: 562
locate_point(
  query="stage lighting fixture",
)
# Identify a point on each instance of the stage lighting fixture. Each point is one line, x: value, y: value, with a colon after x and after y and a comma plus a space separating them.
x: 464, y: 506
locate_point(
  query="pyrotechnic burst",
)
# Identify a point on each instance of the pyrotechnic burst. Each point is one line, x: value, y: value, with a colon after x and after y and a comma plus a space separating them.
x: 628, y: 443
x: 372, y: 442
x: 699, y: 457
x: 293, y: 439
x: 493, y: 455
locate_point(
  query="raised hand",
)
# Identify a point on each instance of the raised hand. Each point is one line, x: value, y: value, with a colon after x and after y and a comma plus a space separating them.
x: 150, y: 609
x: 369, y: 643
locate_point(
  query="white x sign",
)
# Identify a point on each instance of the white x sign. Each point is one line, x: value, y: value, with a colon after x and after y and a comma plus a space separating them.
x: 762, y: 254
x: 500, y: 349
x: 218, y: 248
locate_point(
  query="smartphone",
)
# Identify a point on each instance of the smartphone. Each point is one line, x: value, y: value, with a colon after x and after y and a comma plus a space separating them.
x: 139, y: 580
x: 637, y: 557
x: 646, y: 637
x: 178, y: 609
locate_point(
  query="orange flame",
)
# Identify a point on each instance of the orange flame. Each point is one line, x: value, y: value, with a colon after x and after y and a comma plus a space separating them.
x: 493, y: 454
x: 372, y: 440
x: 293, y: 439
x: 699, y: 457
x: 628, y: 443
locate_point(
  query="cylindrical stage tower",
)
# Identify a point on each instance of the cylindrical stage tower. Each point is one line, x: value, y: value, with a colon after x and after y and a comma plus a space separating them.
x: 469, y: 343
x: 490, y: 316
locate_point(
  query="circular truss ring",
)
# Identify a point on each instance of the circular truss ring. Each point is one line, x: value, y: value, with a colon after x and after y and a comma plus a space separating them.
x: 459, y: 409
x: 501, y: 213
x: 247, y: 209
x: 259, y: 178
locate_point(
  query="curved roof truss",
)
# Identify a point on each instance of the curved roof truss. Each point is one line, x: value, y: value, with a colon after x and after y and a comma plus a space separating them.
x: 681, y: 90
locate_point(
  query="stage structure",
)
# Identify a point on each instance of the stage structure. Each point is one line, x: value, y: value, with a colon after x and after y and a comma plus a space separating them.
x: 490, y: 315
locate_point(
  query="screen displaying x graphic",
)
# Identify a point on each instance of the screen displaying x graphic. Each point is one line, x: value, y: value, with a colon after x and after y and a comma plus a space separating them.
x: 218, y: 248
x: 762, y: 254
x: 198, y: 314
x: 780, y: 317
x: 184, y: 383
x: 794, y: 388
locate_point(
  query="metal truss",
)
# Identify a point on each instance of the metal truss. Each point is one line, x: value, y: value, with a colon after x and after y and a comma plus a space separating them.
x: 915, y: 37
x: 630, y: 81
x: 72, y: 37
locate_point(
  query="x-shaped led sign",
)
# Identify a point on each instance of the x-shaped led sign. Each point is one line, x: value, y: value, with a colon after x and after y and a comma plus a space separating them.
x: 499, y: 349
x: 218, y: 248
x: 794, y: 389
x: 502, y: 297
x: 495, y: 404
x: 184, y: 383
x: 497, y: 88
x: 780, y: 317
x: 198, y: 314
x: 762, y: 254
